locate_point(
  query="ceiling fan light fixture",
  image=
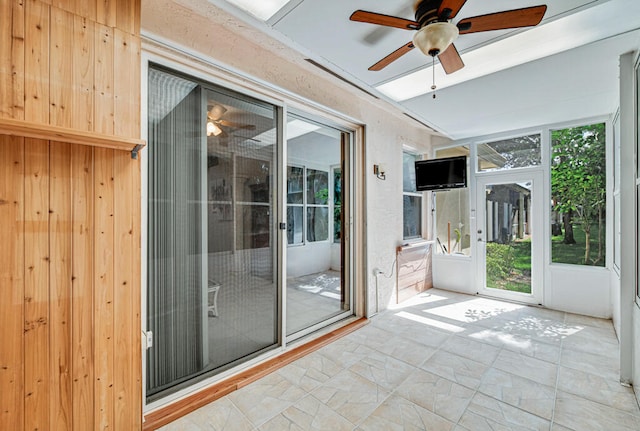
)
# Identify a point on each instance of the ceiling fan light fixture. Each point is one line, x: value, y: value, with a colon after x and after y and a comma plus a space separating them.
x: 213, y: 129
x: 435, y: 38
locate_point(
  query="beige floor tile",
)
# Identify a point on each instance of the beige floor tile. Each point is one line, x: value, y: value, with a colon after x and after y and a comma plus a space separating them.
x: 266, y: 398
x: 487, y: 414
x: 599, y: 389
x: 463, y: 371
x: 351, y: 395
x: 383, y: 370
x: 399, y: 414
x: 536, y: 349
x: 519, y: 392
x: 471, y: 349
x: 408, y: 351
x: 311, y: 371
x: 308, y: 414
x: 580, y: 414
x: 437, y: 394
x: 345, y: 353
x: 527, y: 367
x: 221, y: 415
x: 604, y: 366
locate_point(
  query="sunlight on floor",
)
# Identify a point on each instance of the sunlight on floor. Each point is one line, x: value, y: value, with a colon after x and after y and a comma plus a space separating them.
x: 431, y: 322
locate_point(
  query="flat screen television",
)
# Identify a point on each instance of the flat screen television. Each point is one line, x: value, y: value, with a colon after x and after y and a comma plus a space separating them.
x: 441, y: 174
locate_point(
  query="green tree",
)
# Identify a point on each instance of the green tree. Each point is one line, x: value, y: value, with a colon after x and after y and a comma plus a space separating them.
x: 578, y: 180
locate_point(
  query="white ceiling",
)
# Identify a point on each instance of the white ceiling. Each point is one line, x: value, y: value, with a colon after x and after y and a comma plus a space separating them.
x: 564, y: 69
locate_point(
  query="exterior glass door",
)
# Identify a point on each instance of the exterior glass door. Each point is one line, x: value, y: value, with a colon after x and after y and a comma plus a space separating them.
x: 508, y: 236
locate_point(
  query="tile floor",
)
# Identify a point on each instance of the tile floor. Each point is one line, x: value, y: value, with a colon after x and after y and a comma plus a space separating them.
x: 443, y: 361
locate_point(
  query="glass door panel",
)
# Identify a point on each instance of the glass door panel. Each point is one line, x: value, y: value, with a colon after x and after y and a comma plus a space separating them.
x: 508, y: 237
x: 316, y: 289
x: 212, y: 292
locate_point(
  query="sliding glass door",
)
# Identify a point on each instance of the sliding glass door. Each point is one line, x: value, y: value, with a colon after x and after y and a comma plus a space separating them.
x: 316, y: 288
x: 234, y: 229
x: 212, y: 293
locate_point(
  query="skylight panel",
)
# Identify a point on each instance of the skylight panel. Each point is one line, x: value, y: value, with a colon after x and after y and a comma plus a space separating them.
x: 262, y: 9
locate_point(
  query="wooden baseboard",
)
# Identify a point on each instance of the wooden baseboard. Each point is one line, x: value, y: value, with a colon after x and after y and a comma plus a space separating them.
x: 170, y: 413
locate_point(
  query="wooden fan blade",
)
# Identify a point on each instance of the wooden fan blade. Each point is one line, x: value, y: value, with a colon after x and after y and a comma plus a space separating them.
x: 450, y: 60
x: 516, y: 18
x: 386, y: 20
x: 450, y: 5
x: 392, y: 57
x: 233, y: 125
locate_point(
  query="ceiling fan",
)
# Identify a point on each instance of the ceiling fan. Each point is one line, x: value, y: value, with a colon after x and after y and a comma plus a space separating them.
x: 216, y: 125
x: 436, y: 33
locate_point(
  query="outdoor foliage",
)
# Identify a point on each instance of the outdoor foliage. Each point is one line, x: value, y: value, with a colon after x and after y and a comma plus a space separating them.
x: 508, y: 266
x: 578, y: 182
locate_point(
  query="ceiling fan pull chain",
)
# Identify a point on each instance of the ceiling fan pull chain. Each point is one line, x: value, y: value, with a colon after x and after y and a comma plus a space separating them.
x: 433, y: 70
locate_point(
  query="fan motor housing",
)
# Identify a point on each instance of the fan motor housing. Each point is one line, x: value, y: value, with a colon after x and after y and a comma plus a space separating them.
x: 426, y: 11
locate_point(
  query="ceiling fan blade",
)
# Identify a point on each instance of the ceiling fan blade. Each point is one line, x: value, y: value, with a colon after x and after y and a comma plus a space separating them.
x: 392, y: 57
x: 516, y: 18
x: 233, y: 125
x: 386, y: 20
x: 450, y: 8
x: 450, y: 60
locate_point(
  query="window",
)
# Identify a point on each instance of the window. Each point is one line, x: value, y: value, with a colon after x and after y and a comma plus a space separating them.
x: 314, y: 203
x: 578, y: 194
x: 520, y: 152
x: 452, y: 214
x: 411, y: 200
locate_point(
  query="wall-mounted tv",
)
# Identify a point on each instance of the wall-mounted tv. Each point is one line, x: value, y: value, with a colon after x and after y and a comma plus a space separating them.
x: 441, y: 174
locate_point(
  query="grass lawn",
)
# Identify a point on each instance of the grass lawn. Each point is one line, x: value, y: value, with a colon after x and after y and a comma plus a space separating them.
x: 509, y: 265
x: 574, y: 253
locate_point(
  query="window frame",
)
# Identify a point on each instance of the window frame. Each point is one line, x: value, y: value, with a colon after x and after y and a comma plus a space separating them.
x: 412, y: 194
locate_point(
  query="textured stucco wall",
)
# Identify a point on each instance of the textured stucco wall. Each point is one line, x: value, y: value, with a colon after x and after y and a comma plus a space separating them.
x: 225, y: 40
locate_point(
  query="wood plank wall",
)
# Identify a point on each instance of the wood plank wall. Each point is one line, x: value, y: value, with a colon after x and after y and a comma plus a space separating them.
x: 414, y: 273
x: 70, y: 348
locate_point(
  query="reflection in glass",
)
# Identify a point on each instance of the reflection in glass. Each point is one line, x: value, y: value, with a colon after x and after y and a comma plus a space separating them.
x: 412, y: 209
x: 316, y: 288
x: 212, y: 298
x: 520, y: 152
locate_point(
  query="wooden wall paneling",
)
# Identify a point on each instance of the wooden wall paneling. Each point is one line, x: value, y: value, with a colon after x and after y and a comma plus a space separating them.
x: 12, y: 283
x: 136, y: 294
x: 87, y: 9
x: 104, y: 347
x: 36, y: 289
x: 82, y: 184
x: 60, y: 222
x: 127, y: 15
x: 106, y: 12
x: 127, y: 84
x: 61, y: 68
x: 6, y: 87
x: 103, y: 80
x: 12, y: 54
x: 126, y: 326
x: 83, y: 73
x: 18, y: 58
x: 37, y: 15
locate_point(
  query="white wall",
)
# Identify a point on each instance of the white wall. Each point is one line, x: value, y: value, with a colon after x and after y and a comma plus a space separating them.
x: 579, y: 289
x: 202, y: 28
x: 454, y: 273
x: 311, y: 258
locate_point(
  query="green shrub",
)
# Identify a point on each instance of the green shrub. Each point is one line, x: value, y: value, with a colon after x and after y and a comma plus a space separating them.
x: 500, y: 260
